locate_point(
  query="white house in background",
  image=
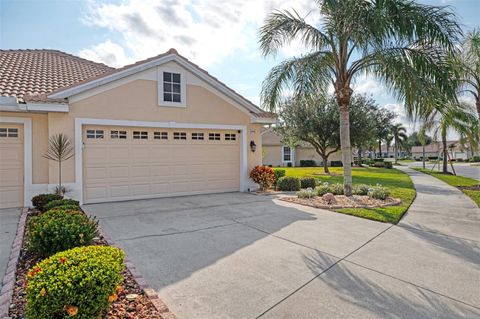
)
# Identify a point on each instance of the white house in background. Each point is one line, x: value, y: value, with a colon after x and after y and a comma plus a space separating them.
x: 434, y: 150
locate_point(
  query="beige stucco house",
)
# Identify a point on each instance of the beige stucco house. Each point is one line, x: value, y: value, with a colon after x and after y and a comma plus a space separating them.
x: 160, y: 127
x: 275, y: 153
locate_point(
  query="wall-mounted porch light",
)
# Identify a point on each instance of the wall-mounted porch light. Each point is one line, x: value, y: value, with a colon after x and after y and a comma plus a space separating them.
x: 253, y: 146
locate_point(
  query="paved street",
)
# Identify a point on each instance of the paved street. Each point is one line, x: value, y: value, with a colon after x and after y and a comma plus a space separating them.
x: 462, y: 169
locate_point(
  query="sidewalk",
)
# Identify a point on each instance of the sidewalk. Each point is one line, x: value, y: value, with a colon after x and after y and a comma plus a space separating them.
x: 8, y: 229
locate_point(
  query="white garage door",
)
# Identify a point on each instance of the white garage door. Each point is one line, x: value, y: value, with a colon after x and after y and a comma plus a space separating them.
x: 132, y: 163
x: 11, y: 165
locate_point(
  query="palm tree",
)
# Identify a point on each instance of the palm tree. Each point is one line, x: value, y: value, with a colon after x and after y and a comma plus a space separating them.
x: 399, y: 135
x: 402, y: 43
x: 469, y: 60
x: 59, y: 149
x: 423, y: 138
x: 455, y: 117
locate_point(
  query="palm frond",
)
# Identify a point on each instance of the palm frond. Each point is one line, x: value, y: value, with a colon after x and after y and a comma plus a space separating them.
x: 59, y: 148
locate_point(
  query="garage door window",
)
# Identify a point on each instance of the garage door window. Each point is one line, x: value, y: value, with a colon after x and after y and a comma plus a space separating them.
x: 95, y: 133
x: 8, y: 132
x: 160, y: 135
x: 118, y: 135
x: 179, y: 135
x: 230, y: 137
x: 197, y: 136
x: 214, y: 136
x: 140, y: 135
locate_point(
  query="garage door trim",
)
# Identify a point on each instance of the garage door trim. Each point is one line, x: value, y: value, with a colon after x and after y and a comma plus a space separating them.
x: 81, y: 122
x: 27, y: 153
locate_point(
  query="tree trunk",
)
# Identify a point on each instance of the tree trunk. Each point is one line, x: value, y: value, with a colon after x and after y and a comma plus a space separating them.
x: 325, y: 164
x: 477, y: 103
x: 423, y: 156
x: 359, y: 157
x: 445, y: 152
x: 395, y: 150
x: 346, y: 149
x: 380, y: 148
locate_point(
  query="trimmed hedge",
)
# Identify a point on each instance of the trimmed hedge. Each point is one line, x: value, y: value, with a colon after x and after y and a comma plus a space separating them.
x: 279, y: 173
x: 75, y: 283
x: 61, y: 202
x: 308, y: 163
x: 41, y: 200
x: 60, y: 229
x: 336, y: 164
x: 306, y: 182
x: 288, y: 183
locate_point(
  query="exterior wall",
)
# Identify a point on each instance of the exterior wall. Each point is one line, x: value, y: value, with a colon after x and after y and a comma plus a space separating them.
x: 416, y: 155
x: 309, y: 153
x: 40, y: 165
x: 272, y: 155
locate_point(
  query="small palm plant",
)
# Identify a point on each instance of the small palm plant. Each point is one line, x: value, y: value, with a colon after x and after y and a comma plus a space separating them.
x: 399, y: 136
x: 60, y: 149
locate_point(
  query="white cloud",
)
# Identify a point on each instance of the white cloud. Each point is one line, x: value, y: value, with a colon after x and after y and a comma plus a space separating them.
x: 205, y: 31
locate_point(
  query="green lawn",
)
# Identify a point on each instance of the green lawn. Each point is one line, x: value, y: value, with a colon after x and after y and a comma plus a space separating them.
x: 398, y: 182
x: 456, y: 181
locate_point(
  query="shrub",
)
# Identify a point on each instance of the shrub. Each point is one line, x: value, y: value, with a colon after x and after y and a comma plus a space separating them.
x: 378, y: 164
x: 388, y: 164
x: 306, y: 182
x: 361, y: 189
x: 322, y: 189
x: 379, y: 192
x: 304, y: 193
x: 307, y: 163
x: 475, y: 159
x: 41, y: 200
x: 263, y: 176
x: 57, y: 230
x: 288, y: 183
x: 336, y: 189
x: 77, y: 282
x: 278, y: 174
x: 336, y: 164
x: 61, y: 202
x: 378, y: 159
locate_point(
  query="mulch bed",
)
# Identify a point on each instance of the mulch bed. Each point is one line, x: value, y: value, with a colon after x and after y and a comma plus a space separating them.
x: 470, y: 188
x: 342, y: 201
x: 140, y: 307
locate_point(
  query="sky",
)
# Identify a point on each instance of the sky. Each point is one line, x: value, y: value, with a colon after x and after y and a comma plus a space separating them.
x: 220, y: 36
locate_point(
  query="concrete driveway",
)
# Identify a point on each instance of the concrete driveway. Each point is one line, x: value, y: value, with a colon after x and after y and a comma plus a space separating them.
x: 244, y: 256
x: 8, y: 229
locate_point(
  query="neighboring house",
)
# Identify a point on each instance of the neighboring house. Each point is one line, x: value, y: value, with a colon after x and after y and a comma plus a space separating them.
x: 275, y: 153
x: 434, y: 150
x: 159, y: 127
x: 390, y: 153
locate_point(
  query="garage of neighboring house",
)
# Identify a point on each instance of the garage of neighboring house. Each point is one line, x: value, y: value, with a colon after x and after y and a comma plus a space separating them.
x: 122, y: 163
x: 11, y: 165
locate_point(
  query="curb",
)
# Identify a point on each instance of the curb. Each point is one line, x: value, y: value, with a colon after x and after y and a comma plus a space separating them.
x: 10, y: 274
x: 149, y: 292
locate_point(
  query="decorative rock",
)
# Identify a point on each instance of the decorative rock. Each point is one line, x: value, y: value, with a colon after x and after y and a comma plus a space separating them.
x: 131, y: 297
x: 329, y: 198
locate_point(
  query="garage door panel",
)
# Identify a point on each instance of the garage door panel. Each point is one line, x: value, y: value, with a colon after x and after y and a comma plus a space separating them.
x: 130, y: 168
x: 11, y: 165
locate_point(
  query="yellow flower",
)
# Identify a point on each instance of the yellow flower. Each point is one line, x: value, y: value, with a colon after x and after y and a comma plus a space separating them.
x: 43, y: 292
x: 112, y: 298
x: 72, y: 310
x: 119, y: 288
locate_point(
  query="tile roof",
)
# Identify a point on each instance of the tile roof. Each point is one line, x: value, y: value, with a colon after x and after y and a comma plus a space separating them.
x: 436, y: 147
x: 30, y: 74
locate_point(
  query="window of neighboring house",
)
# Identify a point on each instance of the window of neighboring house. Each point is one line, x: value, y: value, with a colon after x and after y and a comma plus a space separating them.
x: 160, y: 135
x: 8, y: 132
x: 95, y: 133
x: 287, y: 154
x: 179, y: 135
x: 172, y: 87
x: 197, y: 136
x: 214, y: 136
x: 140, y: 135
x: 230, y: 137
x: 118, y: 135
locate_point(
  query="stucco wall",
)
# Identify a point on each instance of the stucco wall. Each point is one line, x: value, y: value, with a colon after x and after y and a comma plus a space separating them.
x: 272, y: 155
x: 303, y: 153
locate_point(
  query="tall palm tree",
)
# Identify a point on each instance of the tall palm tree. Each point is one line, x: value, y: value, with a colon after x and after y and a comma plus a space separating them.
x: 453, y: 117
x: 399, y: 134
x: 422, y: 138
x: 469, y: 60
x: 402, y: 43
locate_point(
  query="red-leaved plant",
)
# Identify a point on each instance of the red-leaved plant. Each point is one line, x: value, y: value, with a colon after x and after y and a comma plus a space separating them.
x: 263, y: 176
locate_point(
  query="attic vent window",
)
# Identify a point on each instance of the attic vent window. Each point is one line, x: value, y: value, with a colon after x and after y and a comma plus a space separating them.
x: 172, y: 87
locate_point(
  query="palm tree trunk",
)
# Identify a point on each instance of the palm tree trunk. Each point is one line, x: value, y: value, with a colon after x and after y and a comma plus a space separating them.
x: 423, y: 156
x: 477, y: 103
x: 360, y: 157
x: 395, y: 150
x: 346, y: 149
x: 445, y: 152
x: 325, y: 164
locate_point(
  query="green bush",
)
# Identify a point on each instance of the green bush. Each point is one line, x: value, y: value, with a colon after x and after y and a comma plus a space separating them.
x: 279, y: 173
x: 378, y: 159
x: 307, y: 163
x: 475, y: 159
x: 41, y: 200
x: 288, y: 183
x: 336, y: 164
x: 322, y: 189
x: 57, y: 230
x: 388, y: 164
x: 61, y: 202
x: 336, y: 189
x: 74, y: 283
x: 379, y: 192
x: 361, y: 189
x: 67, y: 207
x: 306, y: 182
x: 305, y: 194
